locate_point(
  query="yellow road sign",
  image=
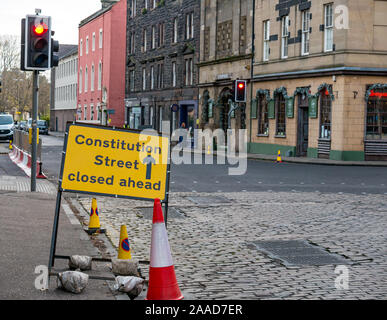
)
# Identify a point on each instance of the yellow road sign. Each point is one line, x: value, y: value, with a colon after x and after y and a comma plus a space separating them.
x: 114, y: 162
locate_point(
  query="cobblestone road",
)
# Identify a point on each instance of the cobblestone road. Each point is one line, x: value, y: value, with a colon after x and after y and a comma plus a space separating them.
x: 215, y: 257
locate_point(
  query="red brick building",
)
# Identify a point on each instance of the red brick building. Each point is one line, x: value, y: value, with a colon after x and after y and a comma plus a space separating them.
x: 101, y: 67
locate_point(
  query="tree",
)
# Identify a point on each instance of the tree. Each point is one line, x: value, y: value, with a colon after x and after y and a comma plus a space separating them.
x: 16, y: 95
x: 9, y: 52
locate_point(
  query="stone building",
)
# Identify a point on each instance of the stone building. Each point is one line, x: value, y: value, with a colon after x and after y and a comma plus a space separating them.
x: 320, y: 79
x: 64, y: 79
x: 225, y: 56
x: 162, y: 53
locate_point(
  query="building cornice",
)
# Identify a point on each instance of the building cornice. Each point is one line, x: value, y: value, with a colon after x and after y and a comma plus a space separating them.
x: 321, y: 72
x: 225, y: 60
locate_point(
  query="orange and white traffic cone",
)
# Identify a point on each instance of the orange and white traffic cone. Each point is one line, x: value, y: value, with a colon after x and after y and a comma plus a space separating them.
x: 162, y: 278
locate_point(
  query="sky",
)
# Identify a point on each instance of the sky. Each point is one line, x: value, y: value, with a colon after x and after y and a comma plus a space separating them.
x: 65, y: 14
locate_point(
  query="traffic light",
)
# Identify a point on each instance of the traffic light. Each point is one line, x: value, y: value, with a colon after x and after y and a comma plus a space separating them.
x: 38, y: 43
x: 54, y: 49
x: 240, y: 90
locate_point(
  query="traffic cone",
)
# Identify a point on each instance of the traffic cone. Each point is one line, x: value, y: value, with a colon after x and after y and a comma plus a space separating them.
x: 162, y: 279
x: 124, y: 246
x: 94, y: 225
x: 279, y: 159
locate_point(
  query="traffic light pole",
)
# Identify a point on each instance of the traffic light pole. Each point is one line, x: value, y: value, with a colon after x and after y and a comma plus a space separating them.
x: 34, y: 128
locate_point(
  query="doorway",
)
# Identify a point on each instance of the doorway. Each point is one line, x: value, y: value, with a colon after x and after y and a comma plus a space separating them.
x: 303, y: 126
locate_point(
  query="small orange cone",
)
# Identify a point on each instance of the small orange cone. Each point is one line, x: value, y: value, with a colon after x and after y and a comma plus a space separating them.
x: 124, y: 246
x: 162, y: 278
x: 279, y: 159
x: 94, y: 225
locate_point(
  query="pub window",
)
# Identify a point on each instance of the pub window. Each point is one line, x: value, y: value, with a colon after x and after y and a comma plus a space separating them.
x: 263, y: 115
x: 377, y: 115
x: 281, y: 115
x: 325, y: 114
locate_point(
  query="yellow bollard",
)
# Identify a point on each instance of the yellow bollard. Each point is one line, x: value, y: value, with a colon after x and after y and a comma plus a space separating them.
x: 10, y: 145
x: 279, y: 159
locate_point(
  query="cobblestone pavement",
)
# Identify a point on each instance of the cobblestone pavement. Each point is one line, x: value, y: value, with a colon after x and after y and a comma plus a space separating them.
x: 213, y: 250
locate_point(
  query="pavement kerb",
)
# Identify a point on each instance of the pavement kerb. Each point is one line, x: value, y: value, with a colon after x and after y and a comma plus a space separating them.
x: 253, y: 156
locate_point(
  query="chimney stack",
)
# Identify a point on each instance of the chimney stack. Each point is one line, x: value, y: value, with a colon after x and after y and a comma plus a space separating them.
x: 108, y: 3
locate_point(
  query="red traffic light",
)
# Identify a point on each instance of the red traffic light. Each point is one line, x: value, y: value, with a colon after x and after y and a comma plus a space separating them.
x: 40, y: 29
x: 241, y: 85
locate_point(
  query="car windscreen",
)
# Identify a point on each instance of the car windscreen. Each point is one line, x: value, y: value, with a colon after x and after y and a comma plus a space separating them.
x: 6, y: 120
x: 41, y: 123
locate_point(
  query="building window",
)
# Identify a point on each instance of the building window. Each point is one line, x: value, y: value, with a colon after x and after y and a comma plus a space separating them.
x: 85, y: 112
x: 144, y: 40
x: 160, y: 76
x: 91, y: 112
x: 87, y: 45
x: 81, y: 47
x: 93, y: 42
x: 305, y: 32
x: 133, y: 8
x: 189, y: 72
x: 175, y: 30
x: 132, y: 44
x: 86, y: 79
x: 154, y: 4
x: 263, y: 116
x: 143, y: 79
x: 98, y: 112
x: 153, y: 37
x: 189, y: 25
x: 377, y: 115
x: 131, y: 80
x: 281, y: 115
x: 92, y: 78
x: 146, y: 4
x: 266, y: 40
x: 100, y: 38
x: 285, y: 37
x: 161, y: 34
x: 80, y: 80
x: 328, y: 27
x: 325, y: 114
x: 174, y: 74
x: 152, y: 77
x: 100, y: 75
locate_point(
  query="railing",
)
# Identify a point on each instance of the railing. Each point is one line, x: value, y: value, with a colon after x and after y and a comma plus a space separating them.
x: 21, y: 140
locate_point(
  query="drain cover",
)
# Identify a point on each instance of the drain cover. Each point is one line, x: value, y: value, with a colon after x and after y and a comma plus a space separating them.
x: 204, y: 200
x: 172, y: 213
x: 298, y: 252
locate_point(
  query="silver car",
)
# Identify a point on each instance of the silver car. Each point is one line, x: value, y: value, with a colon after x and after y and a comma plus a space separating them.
x: 6, y: 127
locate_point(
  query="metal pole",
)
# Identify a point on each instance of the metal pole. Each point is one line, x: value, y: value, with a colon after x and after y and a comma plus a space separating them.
x: 54, y: 231
x: 34, y: 128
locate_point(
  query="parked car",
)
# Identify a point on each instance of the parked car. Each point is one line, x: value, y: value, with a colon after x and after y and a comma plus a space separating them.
x: 43, y: 126
x: 22, y: 125
x: 6, y: 127
x: 28, y: 125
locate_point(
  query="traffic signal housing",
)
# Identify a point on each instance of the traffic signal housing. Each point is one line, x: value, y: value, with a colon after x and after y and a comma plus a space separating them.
x: 38, y: 44
x: 240, y: 90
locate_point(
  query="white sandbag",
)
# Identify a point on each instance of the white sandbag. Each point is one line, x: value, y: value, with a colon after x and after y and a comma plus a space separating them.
x: 80, y: 262
x: 73, y: 281
x: 124, y: 267
x: 130, y: 285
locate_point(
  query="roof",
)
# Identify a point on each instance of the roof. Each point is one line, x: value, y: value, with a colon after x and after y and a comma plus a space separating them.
x: 106, y: 6
x: 66, y: 50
